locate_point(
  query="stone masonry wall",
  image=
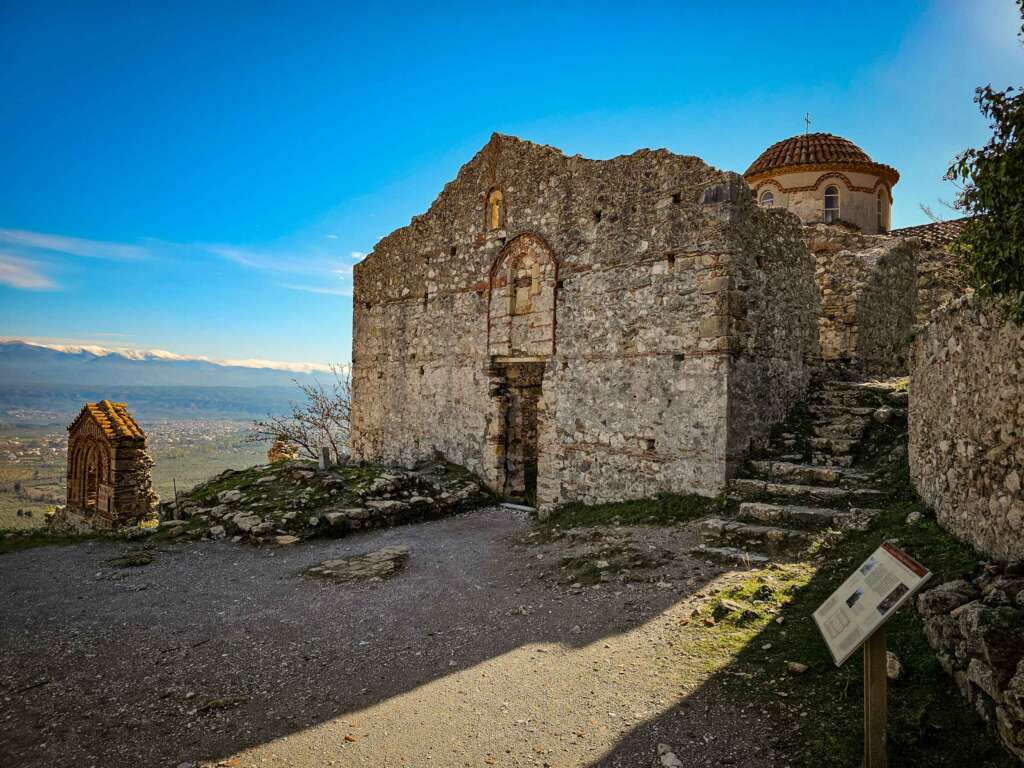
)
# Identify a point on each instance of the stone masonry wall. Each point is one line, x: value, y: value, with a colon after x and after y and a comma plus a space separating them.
x: 775, y: 307
x: 616, y: 275
x: 966, y: 424
x: 977, y: 630
x: 867, y: 285
x: 939, y: 281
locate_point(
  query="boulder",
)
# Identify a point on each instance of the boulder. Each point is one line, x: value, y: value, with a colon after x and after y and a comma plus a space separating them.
x: 946, y: 597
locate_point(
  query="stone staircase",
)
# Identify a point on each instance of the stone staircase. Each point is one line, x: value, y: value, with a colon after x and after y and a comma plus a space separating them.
x: 812, y: 479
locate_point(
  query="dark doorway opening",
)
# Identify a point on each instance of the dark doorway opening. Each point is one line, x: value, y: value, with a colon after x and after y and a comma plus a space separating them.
x: 524, y: 382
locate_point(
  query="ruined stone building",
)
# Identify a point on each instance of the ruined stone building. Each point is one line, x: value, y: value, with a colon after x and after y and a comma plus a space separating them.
x: 584, y: 330
x: 108, y: 478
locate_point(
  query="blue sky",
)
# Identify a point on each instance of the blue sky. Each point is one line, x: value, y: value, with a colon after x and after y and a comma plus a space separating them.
x: 201, y: 177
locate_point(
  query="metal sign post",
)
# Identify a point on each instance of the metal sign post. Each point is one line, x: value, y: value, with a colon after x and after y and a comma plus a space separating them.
x: 875, y: 700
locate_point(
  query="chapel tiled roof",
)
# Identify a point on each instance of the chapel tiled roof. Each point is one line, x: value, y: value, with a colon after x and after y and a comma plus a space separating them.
x: 815, y: 150
x: 113, y: 419
x: 938, y: 234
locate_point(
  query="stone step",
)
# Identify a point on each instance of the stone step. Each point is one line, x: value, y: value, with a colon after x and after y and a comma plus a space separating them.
x: 750, y: 487
x: 731, y: 555
x: 737, y: 532
x: 798, y: 473
x: 828, y: 460
x: 840, y: 429
x: 808, y: 518
x: 846, y: 398
x: 823, y: 411
x: 837, y: 446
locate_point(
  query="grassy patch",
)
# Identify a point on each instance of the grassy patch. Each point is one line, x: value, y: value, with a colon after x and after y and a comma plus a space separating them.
x: 16, y: 541
x: 665, y: 509
x: 930, y: 724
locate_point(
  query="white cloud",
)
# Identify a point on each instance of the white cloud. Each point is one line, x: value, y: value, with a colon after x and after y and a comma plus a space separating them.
x: 358, y: 255
x: 331, y: 237
x: 75, y: 246
x: 23, y: 273
x: 318, y: 289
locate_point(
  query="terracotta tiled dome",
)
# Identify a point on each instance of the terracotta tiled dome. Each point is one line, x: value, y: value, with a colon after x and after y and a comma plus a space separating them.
x: 816, y: 149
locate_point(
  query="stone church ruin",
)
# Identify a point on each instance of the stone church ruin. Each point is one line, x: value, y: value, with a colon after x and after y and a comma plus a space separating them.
x: 584, y: 330
x: 108, y: 480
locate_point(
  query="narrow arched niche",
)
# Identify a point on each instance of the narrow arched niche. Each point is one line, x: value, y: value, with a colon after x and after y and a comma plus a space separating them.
x: 494, y: 210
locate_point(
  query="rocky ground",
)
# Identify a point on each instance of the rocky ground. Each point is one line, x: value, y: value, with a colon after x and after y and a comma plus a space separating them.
x: 481, y: 640
x: 289, y: 501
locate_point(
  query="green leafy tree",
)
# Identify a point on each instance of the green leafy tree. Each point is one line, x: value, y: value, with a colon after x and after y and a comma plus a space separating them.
x: 991, y: 246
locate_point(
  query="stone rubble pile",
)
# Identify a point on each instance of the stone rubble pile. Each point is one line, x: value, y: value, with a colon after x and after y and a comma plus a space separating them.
x: 372, y: 566
x: 290, y: 501
x: 976, y: 628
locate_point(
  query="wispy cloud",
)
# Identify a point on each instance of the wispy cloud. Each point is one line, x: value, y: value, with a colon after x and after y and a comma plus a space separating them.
x: 318, y: 289
x: 74, y: 246
x: 22, y: 273
x: 358, y: 255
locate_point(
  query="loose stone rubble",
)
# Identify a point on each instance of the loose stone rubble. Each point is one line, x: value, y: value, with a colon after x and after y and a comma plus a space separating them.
x: 976, y: 627
x: 284, y: 503
x: 372, y: 566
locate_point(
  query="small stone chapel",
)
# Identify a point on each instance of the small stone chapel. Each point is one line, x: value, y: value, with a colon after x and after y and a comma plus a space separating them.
x: 109, y: 482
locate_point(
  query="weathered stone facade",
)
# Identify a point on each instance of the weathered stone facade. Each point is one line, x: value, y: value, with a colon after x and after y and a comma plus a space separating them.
x: 976, y: 628
x: 966, y: 424
x: 939, y: 276
x: 108, y: 480
x: 867, y: 285
x: 581, y: 330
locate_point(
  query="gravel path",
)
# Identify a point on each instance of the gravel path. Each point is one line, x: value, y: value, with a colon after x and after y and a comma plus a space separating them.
x: 475, y: 654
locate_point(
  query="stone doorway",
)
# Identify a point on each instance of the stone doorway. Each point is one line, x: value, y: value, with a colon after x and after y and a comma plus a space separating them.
x: 523, y: 383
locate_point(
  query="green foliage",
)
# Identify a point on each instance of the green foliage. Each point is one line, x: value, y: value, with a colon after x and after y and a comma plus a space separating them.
x: 991, y: 246
x: 929, y: 722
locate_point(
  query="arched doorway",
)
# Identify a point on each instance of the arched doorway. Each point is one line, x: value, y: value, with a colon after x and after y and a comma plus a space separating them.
x: 521, y: 340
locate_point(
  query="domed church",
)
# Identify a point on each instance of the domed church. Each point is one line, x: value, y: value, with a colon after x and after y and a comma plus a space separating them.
x: 824, y: 178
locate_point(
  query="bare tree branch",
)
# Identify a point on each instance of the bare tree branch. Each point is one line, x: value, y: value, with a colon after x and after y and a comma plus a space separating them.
x: 323, y: 420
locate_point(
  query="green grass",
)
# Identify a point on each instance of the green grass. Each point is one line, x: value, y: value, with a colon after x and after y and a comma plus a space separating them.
x: 38, y: 538
x: 929, y: 723
x: 664, y: 509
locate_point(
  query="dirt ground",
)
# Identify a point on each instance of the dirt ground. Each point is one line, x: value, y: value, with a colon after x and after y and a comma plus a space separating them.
x: 482, y: 651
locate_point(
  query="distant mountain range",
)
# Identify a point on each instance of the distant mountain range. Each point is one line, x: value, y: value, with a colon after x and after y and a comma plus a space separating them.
x: 39, y: 382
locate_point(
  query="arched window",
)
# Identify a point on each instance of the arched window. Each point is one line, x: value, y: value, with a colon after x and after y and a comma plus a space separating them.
x: 831, y: 204
x: 495, y: 213
x: 767, y: 199
x: 881, y: 213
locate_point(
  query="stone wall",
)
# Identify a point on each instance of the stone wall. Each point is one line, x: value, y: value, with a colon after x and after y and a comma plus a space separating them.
x: 775, y: 306
x: 966, y: 424
x: 977, y: 630
x: 867, y: 285
x: 624, y: 279
x: 939, y: 281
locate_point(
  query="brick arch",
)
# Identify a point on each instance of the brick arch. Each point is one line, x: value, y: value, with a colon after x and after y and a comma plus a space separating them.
x: 522, y: 299
x: 850, y: 186
x: 90, y: 468
x: 768, y: 183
